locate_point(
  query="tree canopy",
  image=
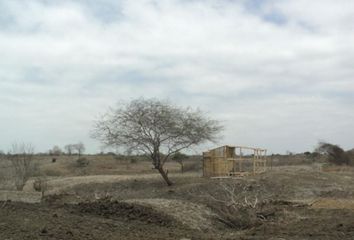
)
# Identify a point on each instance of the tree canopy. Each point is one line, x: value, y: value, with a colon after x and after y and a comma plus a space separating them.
x: 156, y: 128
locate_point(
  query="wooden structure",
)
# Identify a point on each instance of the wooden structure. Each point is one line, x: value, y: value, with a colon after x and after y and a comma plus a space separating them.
x: 228, y: 161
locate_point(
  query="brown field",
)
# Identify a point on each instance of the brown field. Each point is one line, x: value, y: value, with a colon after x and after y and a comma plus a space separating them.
x: 123, y: 198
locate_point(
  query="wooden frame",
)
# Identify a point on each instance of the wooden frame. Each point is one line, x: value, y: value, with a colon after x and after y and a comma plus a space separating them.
x: 229, y: 161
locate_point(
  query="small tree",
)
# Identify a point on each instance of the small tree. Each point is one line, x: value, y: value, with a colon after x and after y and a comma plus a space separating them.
x: 156, y: 128
x: 55, y: 151
x: 69, y: 149
x: 179, y: 158
x: 80, y: 148
x: 21, y: 156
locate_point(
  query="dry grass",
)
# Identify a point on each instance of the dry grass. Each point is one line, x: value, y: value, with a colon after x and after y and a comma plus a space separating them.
x: 66, y: 166
x: 330, y: 203
x: 97, y: 165
x: 333, y: 168
x: 189, y: 201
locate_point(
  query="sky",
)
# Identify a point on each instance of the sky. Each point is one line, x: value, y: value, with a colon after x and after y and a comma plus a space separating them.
x: 278, y: 74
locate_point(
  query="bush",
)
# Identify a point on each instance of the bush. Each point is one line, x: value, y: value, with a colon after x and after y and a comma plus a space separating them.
x: 336, y: 155
x: 236, y: 205
x: 82, y: 162
x: 351, y: 157
x: 40, y: 185
x: 133, y: 160
x: 21, y: 158
x: 237, y: 217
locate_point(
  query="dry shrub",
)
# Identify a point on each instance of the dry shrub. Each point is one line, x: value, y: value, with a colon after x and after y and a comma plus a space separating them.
x: 237, y: 217
x: 82, y: 162
x: 236, y: 206
x: 351, y: 156
x: 133, y: 160
x: 40, y: 185
x: 21, y: 158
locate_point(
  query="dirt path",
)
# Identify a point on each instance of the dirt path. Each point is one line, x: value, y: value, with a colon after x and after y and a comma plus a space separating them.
x: 57, y: 185
x: 330, y: 203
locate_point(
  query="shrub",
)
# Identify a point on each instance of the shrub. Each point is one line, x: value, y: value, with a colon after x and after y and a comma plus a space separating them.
x: 133, y: 160
x: 82, y: 162
x: 237, y: 217
x: 351, y: 157
x: 336, y: 154
x: 21, y: 158
x: 40, y: 185
x: 237, y: 206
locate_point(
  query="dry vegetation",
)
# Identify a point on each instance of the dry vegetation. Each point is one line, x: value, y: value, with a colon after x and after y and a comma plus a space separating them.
x: 118, y: 197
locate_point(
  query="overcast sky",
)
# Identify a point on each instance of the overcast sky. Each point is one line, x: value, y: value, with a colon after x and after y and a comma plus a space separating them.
x: 279, y: 74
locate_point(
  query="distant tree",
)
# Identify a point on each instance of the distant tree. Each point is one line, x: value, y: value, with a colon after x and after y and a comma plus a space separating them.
x: 56, y: 151
x: 179, y: 158
x: 80, y: 148
x: 336, y: 154
x: 2, y: 156
x: 289, y: 153
x: 350, y: 154
x: 69, y: 149
x: 21, y: 158
x: 307, y: 154
x: 156, y: 128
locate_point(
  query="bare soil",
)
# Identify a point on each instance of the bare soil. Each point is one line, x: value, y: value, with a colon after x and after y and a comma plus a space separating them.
x: 294, y: 202
x: 87, y: 221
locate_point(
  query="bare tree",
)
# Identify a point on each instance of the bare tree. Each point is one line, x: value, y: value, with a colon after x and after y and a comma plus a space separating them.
x: 79, y: 147
x: 21, y: 156
x: 156, y: 128
x: 69, y: 149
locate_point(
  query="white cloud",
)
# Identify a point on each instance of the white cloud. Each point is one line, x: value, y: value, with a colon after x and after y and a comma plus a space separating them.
x: 281, y: 85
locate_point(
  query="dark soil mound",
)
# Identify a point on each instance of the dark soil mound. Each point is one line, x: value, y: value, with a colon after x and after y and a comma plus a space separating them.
x: 111, y: 221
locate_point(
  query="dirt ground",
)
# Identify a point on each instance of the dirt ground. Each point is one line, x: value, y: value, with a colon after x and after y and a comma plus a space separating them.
x: 293, y: 202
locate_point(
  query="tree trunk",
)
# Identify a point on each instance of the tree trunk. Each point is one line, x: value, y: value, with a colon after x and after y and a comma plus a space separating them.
x: 164, y: 176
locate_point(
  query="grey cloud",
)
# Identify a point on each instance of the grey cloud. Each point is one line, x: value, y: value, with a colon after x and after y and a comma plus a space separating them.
x: 281, y: 86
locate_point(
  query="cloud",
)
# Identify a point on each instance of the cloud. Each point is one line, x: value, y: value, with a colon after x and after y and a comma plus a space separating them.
x: 277, y: 73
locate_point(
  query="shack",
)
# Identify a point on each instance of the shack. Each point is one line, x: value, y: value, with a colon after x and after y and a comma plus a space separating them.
x: 228, y: 161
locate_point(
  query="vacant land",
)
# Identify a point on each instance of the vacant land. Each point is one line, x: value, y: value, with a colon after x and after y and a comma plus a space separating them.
x: 124, y: 199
